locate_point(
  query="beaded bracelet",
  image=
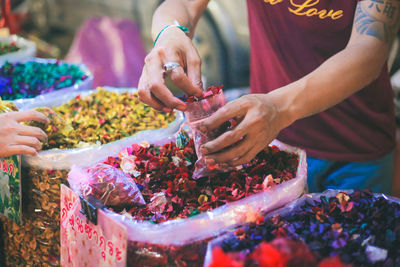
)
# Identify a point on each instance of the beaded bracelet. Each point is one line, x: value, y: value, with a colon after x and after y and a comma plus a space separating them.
x: 183, y: 28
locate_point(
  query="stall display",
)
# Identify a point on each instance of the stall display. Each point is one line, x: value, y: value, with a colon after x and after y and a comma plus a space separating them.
x: 37, y: 240
x: 182, y: 214
x: 100, y: 118
x: 88, y: 126
x: 14, y: 48
x: 24, y: 80
x: 8, y: 48
x: 330, y: 229
x: 164, y: 175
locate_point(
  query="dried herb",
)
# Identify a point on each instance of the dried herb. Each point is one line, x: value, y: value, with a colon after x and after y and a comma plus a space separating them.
x: 36, y: 242
x: 357, y: 229
x: 163, y: 175
x: 6, y: 48
x: 100, y: 118
x: 30, y: 79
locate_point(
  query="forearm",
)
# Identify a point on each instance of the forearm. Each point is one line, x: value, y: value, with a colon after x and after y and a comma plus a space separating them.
x: 186, y: 13
x: 336, y: 79
x: 348, y: 71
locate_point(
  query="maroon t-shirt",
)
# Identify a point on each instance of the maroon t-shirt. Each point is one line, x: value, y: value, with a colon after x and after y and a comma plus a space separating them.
x: 291, y: 38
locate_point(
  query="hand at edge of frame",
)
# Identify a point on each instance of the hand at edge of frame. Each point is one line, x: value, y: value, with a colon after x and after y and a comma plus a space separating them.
x: 16, y: 138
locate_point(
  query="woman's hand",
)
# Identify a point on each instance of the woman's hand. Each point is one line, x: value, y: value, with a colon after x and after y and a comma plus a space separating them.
x: 172, y: 46
x: 260, y: 121
x: 16, y: 138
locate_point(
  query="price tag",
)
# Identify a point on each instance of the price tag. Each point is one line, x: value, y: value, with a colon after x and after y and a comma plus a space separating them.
x: 10, y: 188
x: 86, y: 244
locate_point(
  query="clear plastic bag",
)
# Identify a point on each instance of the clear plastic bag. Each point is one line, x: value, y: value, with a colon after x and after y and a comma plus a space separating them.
x: 27, y: 49
x: 196, y: 113
x: 184, y: 241
x: 108, y: 184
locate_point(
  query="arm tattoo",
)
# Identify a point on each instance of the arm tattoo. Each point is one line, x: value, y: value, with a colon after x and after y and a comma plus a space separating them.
x: 383, y: 27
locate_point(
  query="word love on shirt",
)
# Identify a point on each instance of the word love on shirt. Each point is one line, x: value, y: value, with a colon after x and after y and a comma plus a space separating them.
x: 309, y: 8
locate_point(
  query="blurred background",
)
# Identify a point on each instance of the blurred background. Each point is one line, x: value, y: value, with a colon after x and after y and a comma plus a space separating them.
x: 221, y: 35
x: 113, y: 37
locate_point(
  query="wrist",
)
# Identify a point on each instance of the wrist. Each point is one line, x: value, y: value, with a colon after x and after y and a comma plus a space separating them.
x: 284, y: 102
x: 170, y: 37
x: 174, y: 28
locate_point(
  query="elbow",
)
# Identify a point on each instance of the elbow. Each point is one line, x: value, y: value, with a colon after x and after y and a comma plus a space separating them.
x: 371, y: 58
x: 378, y: 67
x: 373, y: 67
x: 375, y: 72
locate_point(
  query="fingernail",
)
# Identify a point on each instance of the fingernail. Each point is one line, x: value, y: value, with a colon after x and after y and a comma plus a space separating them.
x: 203, y: 150
x: 167, y: 110
x: 199, y: 94
x: 210, y: 161
x: 182, y: 107
x: 203, y: 129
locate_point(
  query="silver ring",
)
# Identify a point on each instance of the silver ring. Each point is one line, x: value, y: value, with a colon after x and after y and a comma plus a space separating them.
x: 169, y: 66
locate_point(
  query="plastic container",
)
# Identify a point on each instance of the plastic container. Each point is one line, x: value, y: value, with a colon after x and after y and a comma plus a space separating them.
x: 27, y: 49
x: 288, y: 209
x: 79, y: 86
x: 196, y: 112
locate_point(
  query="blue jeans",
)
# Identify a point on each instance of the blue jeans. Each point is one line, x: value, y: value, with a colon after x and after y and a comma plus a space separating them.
x: 375, y: 175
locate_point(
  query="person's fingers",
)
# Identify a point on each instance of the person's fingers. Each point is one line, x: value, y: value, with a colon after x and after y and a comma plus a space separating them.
x: 146, y: 97
x: 21, y: 149
x: 178, y: 77
x: 226, y: 139
x: 147, y: 80
x: 161, y: 92
x: 237, y: 151
x: 158, y: 88
x: 31, y: 115
x: 246, y: 158
x: 231, y: 110
x: 193, y: 69
x: 25, y: 130
x: 29, y: 141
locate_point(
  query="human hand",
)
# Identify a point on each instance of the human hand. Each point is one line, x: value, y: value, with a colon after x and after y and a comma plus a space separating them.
x: 172, y: 46
x: 16, y: 138
x: 260, y: 121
